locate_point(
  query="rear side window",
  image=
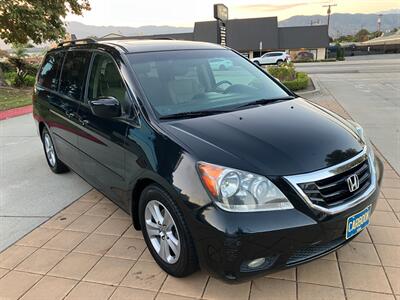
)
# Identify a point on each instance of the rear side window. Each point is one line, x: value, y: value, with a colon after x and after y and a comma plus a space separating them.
x: 74, y: 74
x: 50, y: 72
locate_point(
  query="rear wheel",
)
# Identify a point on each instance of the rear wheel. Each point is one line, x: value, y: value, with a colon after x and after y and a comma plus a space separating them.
x: 279, y: 62
x: 166, y: 233
x: 56, y: 165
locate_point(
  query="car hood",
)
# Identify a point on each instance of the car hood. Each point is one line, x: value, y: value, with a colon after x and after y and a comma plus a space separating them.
x: 284, y: 138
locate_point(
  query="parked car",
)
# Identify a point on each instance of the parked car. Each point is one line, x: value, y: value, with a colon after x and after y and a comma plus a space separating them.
x: 272, y: 58
x: 233, y: 173
x: 220, y: 64
x: 304, y: 56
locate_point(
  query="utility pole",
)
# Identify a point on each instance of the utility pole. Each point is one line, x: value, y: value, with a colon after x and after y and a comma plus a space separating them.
x: 329, y: 12
x: 329, y: 18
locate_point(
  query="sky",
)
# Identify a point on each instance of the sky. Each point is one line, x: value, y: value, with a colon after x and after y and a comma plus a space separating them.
x: 185, y: 12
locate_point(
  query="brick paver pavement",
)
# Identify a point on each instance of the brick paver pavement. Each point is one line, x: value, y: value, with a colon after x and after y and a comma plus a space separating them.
x: 90, y: 251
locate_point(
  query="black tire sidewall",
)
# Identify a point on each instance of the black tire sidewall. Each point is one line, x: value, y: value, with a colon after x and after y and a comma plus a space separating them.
x: 187, y: 261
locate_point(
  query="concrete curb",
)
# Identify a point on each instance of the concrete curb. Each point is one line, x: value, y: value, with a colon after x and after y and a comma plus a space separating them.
x: 15, y: 112
x: 316, y: 89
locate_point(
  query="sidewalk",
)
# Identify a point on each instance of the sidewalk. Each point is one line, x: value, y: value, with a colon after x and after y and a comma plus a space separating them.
x: 90, y: 251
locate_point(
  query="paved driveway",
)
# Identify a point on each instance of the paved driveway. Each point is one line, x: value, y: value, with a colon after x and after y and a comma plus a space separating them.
x: 30, y: 193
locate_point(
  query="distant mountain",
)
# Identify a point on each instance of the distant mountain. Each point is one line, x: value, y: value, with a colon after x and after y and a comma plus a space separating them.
x: 82, y: 30
x: 342, y: 24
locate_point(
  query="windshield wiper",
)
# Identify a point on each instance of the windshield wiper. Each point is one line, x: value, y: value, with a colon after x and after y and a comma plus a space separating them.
x: 193, y: 114
x: 264, y: 101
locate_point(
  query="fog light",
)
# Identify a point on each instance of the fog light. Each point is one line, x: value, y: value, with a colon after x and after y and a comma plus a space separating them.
x: 256, y: 263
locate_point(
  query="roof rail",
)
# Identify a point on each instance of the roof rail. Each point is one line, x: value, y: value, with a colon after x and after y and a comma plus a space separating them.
x: 136, y: 38
x: 162, y: 38
x: 75, y: 42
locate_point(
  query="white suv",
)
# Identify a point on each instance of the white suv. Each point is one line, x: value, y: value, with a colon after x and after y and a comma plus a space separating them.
x: 276, y: 58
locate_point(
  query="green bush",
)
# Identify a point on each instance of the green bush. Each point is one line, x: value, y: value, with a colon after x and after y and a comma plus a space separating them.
x: 287, y: 74
x: 6, y: 66
x: 13, y: 80
x: 301, y: 82
x: 284, y: 72
x: 10, y: 77
x: 29, y: 80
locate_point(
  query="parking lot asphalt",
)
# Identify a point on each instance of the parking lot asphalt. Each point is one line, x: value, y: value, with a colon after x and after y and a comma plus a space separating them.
x: 29, y: 192
x: 369, y: 90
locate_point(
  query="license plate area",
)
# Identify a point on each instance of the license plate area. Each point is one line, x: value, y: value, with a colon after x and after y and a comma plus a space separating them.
x: 358, y: 222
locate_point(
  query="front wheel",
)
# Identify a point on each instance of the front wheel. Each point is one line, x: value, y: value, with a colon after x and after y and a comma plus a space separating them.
x: 257, y: 62
x: 166, y: 233
x: 56, y: 165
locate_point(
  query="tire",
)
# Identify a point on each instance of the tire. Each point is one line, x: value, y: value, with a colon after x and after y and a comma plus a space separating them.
x: 55, y: 164
x: 279, y: 62
x: 257, y: 62
x: 179, y: 265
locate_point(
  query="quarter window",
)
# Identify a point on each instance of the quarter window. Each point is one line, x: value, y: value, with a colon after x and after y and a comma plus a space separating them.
x: 50, y: 72
x: 74, y: 73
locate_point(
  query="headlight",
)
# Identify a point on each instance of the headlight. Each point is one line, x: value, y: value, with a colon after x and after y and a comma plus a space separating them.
x: 241, y: 191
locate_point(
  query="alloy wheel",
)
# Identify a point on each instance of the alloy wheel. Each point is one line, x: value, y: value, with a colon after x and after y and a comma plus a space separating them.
x: 162, y: 231
x: 49, y: 148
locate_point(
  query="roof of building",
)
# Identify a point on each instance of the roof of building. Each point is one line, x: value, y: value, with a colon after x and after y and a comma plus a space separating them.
x: 386, y: 39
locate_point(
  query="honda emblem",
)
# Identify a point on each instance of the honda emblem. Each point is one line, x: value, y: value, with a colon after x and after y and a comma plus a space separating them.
x: 353, y: 182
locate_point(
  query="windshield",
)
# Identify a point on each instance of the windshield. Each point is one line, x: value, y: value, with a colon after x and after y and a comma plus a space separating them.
x: 177, y: 82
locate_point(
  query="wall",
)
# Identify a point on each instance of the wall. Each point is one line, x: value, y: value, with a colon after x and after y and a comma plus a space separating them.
x: 303, y: 37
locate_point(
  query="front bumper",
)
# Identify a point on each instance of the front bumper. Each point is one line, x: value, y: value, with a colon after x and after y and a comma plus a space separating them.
x: 227, y: 241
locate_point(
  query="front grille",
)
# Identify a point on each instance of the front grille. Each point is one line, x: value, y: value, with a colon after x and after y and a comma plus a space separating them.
x: 334, y: 190
x: 313, y: 251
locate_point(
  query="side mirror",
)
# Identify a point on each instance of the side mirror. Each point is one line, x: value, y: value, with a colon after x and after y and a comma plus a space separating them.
x: 107, y: 107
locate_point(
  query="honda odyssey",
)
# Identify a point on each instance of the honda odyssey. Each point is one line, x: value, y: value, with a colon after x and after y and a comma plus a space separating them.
x: 220, y: 168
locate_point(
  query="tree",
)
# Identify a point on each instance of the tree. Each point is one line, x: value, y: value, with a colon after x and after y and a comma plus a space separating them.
x: 22, y: 21
x: 362, y: 35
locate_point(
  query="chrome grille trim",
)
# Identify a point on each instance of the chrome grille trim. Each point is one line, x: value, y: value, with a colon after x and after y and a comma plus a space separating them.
x: 295, y: 180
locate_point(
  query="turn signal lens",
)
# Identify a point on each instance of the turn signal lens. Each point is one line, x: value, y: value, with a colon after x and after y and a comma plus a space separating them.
x: 209, y: 175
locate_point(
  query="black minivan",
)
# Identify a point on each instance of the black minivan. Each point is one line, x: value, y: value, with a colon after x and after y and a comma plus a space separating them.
x: 222, y: 168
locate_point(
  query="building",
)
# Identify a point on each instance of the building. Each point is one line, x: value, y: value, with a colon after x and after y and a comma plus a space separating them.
x: 249, y: 36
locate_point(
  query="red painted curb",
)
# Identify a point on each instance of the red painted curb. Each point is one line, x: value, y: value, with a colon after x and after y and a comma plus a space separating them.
x: 15, y: 112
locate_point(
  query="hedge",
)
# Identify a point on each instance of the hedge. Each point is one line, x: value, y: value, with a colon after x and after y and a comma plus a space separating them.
x: 301, y: 82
